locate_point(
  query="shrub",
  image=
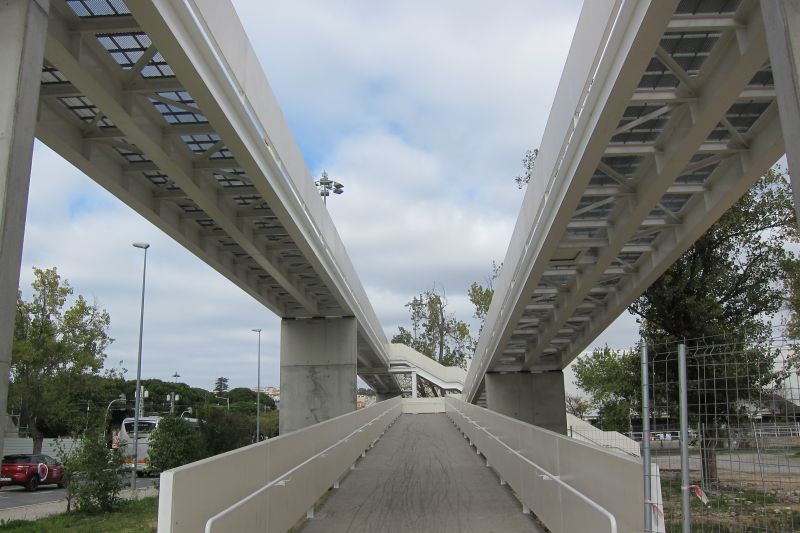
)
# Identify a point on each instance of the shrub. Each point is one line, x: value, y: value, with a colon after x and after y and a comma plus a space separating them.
x: 223, y: 431
x: 173, y: 443
x: 93, y: 474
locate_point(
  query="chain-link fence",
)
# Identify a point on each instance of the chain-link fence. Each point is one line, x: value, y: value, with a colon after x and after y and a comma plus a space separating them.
x: 742, y: 434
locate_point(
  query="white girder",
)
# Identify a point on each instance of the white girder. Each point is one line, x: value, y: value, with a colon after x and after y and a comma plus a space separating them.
x: 677, y: 121
x: 156, y: 107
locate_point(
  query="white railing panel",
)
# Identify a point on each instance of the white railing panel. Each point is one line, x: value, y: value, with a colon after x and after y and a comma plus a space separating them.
x: 544, y: 498
x: 270, y: 485
x: 569, y: 485
x: 540, y: 447
x: 605, y: 469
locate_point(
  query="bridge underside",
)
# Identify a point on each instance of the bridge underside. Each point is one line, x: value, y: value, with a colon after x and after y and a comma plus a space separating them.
x: 648, y: 143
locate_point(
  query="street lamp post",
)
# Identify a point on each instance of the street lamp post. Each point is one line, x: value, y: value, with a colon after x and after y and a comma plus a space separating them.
x: 326, y: 186
x: 121, y: 398
x: 114, y: 436
x: 258, y: 389
x: 144, y: 246
x: 173, y: 397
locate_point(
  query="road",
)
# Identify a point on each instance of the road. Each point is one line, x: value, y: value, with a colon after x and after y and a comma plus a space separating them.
x: 15, y: 496
x: 745, y: 462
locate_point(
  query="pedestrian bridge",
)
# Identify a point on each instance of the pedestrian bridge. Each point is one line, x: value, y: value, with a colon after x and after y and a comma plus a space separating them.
x: 408, y: 464
x: 666, y: 112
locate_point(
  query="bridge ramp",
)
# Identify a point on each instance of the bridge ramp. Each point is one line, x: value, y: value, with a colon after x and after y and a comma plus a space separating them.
x: 421, y: 476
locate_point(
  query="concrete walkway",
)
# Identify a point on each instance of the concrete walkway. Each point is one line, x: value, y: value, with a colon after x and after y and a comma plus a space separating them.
x: 421, y: 476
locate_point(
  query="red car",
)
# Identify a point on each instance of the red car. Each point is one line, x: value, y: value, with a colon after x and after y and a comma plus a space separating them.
x: 31, y: 470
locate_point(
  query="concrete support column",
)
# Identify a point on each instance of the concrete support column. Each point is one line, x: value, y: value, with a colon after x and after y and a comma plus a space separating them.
x: 782, y: 22
x: 318, y: 371
x: 413, y: 384
x: 537, y: 399
x: 23, y: 30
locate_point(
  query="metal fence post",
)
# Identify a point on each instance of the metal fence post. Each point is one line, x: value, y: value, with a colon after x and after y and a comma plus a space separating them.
x: 684, y: 421
x: 648, y: 513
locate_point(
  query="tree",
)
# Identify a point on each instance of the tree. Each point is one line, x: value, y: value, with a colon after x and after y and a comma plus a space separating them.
x: 247, y: 397
x: 174, y: 442
x: 481, y: 297
x: 734, y: 277
x: 612, y: 380
x: 528, y: 162
x: 435, y: 332
x: 220, y: 386
x: 223, y: 431
x: 577, y: 405
x: 54, y: 347
x: 92, y: 473
x: 725, y: 288
x: 158, y: 391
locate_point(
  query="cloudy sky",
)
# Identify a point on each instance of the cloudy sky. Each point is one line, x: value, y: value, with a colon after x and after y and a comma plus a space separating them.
x: 423, y: 110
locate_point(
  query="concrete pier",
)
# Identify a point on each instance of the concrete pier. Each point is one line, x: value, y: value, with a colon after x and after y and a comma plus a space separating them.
x: 318, y: 370
x: 535, y: 398
x: 23, y: 29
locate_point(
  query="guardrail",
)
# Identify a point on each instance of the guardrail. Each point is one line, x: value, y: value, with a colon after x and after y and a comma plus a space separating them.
x: 563, y: 481
x: 269, y: 486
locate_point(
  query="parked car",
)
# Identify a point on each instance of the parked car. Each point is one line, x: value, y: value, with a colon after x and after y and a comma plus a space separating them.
x: 31, y: 470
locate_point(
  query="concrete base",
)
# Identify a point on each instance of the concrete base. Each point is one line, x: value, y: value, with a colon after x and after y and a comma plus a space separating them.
x: 537, y: 399
x: 318, y: 371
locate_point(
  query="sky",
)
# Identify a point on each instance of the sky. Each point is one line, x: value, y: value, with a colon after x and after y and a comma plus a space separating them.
x: 422, y: 110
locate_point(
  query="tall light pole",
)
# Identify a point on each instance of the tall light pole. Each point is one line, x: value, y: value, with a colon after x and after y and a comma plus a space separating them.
x: 144, y: 246
x: 326, y: 186
x: 258, y: 389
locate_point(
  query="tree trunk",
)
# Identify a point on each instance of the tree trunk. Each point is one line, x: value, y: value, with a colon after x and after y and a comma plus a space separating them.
x: 708, y: 455
x: 38, y: 437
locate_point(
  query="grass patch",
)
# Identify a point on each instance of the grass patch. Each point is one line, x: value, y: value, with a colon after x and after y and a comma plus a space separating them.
x: 130, y: 517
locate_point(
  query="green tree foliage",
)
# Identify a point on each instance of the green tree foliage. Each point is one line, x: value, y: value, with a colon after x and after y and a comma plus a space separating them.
x: 270, y: 424
x: 56, y: 346
x: 724, y: 289
x: 158, y: 391
x: 792, y: 269
x: 481, y: 297
x: 435, y: 332
x: 612, y: 380
x: 223, y: 431
x: 220, y: 386
x: 92, y: 473
x: 175, y: 442
x: 243, y: 400
x: 734, y: 277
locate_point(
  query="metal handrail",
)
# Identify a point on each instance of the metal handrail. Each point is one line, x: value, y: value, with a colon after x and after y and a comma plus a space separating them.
x: 611, y: 518
x: 284, y: 479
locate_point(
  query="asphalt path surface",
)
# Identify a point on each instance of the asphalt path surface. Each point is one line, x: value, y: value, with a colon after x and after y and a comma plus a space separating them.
x: 17, y: 496
x: 421, y: 476
x: 749, y: 462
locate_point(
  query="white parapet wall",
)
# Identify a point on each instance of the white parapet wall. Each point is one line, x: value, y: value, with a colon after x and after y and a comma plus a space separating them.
x: 423, y: 405
x: 569, y: 485
x: 269, y: 486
